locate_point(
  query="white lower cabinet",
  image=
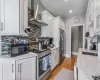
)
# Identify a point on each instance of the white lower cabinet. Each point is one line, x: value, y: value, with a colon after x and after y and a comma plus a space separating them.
x: 78, y: 73
x: 21, y: 69
x: 25, y: 69
x: 8, y: 70
x: 81, y: 75
x: 54, y: 58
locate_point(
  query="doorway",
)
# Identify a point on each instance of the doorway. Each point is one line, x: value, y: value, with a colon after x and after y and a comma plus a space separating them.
x: 76, y: 39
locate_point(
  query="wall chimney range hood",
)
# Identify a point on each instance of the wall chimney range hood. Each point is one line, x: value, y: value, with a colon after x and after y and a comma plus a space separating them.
x: 35, y: 20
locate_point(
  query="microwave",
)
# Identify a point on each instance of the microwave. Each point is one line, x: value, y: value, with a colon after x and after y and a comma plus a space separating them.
x: 19, y: 49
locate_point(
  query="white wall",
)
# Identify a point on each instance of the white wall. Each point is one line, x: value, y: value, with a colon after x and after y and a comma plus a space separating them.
x: 68, y: 23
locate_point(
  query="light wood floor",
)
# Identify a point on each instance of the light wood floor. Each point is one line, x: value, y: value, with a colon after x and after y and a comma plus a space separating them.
x: 68, y: 63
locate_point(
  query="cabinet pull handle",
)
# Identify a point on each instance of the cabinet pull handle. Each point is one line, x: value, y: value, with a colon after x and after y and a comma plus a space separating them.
x: 1, y: 26
x: 18, y: 68
x: 12, y: 68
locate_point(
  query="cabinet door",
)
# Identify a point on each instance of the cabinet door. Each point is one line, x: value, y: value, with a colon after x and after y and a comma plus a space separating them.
x: 26, y: 69
x: 87, y: 23
x: 23, y: 16
x: 53, y: 56
x: 97, y: 16
x: 81, y: 75
x: 46, y: 31
x: 8, y: 70
x: 11, y: 18
x: 57, y: 56
x: 2, y: 15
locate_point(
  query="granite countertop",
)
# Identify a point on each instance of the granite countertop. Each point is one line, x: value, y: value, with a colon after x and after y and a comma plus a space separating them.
x: 89, y: 65
x: 28, y: 55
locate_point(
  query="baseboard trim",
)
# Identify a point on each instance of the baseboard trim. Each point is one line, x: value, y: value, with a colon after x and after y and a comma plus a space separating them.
x: 75, y: 53
x: 67, y: 55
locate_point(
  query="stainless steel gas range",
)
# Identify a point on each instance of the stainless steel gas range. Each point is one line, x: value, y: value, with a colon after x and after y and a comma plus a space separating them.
x: 44, y: 64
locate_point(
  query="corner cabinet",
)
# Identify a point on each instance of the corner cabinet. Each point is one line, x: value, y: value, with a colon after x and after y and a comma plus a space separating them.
x: 24, y: 68
x: 14, y: 16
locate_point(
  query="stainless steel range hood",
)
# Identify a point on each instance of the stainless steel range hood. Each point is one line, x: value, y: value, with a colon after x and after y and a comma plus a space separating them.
x: 35, y: 20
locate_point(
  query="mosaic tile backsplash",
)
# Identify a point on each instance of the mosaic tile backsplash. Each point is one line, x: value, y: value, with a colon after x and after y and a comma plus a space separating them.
x: 8, y: 40
x: 35, y: 32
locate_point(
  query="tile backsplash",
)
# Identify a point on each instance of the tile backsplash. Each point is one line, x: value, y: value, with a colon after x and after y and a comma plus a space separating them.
x: 7, y: 41
x: 35, y: 32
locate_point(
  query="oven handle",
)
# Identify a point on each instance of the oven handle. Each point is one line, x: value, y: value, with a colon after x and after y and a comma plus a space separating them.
x: 44, y: 56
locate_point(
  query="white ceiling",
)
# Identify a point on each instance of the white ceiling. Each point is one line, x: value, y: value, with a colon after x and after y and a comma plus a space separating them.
x: 61, y: 8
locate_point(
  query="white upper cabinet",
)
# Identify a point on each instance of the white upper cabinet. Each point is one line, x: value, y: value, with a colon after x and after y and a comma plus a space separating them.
x: 97, y: 16
x: 52, y: 30
x: 46, y: 31
x: 23, y: 16
x: 93, y: 17
x: 14, y: 16
x: 90, y: 22
x: 57, y: 25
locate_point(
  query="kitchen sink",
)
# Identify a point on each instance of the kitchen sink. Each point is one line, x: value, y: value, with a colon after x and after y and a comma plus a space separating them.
x: 89, y: 53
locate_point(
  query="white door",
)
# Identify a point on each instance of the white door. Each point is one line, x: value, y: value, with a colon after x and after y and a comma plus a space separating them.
x: 26, y: 69
x: 8, y: 70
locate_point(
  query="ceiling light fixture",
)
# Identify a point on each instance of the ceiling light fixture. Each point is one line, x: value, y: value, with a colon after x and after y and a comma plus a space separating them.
x: 70, y: 11
x: 66, y: 0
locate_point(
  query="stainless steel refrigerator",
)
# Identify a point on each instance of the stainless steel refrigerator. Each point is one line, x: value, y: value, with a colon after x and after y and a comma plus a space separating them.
x: 61, y: 50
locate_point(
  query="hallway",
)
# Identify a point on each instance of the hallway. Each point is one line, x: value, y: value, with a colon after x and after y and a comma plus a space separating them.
x: 68, y: 63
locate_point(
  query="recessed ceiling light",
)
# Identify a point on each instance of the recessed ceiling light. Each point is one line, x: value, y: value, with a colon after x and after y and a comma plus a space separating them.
x: 70, y: 11
x: 66, y: 0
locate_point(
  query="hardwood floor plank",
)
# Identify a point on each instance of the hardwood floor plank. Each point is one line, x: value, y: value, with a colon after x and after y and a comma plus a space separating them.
x: 68, y: 63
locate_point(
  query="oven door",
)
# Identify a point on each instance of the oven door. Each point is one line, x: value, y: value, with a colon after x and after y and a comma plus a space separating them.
x: 44, y: 67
